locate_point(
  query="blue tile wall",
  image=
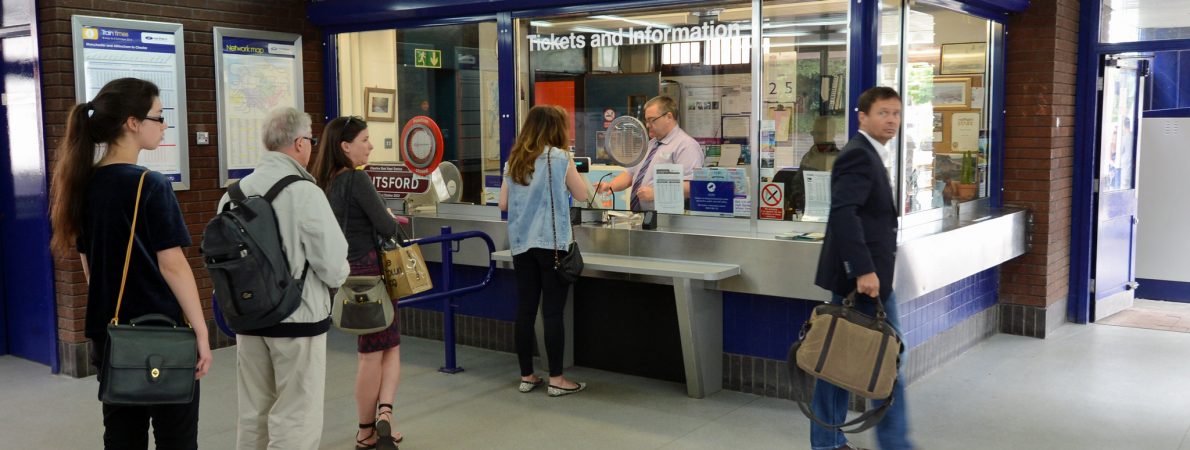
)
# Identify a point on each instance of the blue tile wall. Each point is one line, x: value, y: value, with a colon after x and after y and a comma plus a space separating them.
x: 758, y: 325
x: 1164, y: 86
x: 497, y: 301
x: 1183, y: 79
x: 1169, y: 291
x: 763, y: 326
x: 924, y: 317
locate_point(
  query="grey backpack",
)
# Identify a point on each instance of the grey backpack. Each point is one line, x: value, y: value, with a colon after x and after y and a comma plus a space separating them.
x: 242, y: 249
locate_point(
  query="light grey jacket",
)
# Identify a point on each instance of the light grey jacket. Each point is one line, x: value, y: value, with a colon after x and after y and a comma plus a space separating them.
x: 309, y: 232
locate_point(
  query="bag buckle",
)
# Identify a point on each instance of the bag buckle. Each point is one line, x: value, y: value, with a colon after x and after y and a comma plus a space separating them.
x: 154, y: 373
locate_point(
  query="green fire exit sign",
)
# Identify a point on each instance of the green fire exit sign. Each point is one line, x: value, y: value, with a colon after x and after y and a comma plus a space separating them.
x: 426, y: 58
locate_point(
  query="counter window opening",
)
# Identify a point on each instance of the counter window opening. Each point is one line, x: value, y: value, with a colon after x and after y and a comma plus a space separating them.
x: 447, y: 74
x: 945, y: 140
x: 773, y: 139
x: 604, y: 66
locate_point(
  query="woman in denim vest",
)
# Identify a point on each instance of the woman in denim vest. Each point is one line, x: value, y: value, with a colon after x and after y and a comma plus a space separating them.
x: 535, y: 160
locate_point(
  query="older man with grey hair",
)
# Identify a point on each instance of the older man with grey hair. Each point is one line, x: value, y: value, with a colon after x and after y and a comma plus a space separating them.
x: 281, y: 370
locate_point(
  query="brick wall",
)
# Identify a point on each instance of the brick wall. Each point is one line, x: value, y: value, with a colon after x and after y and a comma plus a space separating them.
x: 198, y: 204
x: 1039, y: 151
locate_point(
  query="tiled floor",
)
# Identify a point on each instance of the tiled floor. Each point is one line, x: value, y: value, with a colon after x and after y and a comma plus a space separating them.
x: 1087, y: 387
x: 1153, y: 315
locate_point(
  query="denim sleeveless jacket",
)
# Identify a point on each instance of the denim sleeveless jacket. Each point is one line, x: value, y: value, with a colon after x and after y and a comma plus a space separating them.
x: 529, y: 224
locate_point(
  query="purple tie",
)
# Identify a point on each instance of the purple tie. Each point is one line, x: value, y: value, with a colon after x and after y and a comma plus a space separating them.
x: 640, y: 176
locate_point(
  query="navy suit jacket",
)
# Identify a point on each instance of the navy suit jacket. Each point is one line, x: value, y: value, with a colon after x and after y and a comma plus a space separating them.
x: 861, y: 232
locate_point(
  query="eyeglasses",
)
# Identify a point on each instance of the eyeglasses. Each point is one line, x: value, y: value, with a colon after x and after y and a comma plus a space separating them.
x: 352, y: 119
x: 649, y: 122
x: 313, y: 140
x: 158, y: 119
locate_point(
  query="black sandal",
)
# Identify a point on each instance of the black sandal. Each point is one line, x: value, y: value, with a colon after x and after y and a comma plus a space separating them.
x: 361, y: 444
x: 385, y: 440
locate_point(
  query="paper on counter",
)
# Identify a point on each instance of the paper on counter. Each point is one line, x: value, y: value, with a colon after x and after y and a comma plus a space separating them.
x: 818, y: 196
x: 668, y: 197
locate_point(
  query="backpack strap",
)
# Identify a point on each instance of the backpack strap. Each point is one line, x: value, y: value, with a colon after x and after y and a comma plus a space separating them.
x: 280, y: 185
x: 235, y: 195
x: 272, y: 194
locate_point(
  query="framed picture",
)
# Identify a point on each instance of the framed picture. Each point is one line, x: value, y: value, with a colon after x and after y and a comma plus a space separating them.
x: 952, y: 93
x: 380, y: 104
x: 964, y: 58
x: 937, y: 128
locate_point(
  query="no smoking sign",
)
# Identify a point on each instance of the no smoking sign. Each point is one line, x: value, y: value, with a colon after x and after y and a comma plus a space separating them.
x: 772, y: 201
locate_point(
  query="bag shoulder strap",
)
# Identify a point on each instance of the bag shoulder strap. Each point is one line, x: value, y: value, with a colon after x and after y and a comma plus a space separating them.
x: 235, y: 193
x: 280, y: 185
x: 128, y: 253
x: 549, y: 173
x: 803, y: 384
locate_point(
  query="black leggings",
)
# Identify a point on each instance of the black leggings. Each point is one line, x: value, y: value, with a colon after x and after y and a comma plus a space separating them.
x: 175, y: 427
x: 536, y: 280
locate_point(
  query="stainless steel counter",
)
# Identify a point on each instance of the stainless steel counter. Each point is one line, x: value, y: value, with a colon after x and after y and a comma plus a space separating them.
x: 930, y: 256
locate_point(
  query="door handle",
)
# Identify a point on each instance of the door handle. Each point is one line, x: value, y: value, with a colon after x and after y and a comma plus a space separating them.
x: 1131, y: 286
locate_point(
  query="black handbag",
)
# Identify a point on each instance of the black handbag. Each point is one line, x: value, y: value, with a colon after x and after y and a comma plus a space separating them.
x: 146, y: 364
x: 568, y: 267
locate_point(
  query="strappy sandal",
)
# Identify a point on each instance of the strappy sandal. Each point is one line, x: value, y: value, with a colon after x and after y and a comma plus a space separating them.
x: 362, y: 444
x: 384, y: 428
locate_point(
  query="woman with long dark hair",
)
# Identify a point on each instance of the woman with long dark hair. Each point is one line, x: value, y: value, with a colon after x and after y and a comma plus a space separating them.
x: 345, y: 148
x: 537, y: 181
x: 93, y: 201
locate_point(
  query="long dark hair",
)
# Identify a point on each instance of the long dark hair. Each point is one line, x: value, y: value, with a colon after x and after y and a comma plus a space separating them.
x: 99, y: 121
x: 331, y: 159
x: 545, y: 126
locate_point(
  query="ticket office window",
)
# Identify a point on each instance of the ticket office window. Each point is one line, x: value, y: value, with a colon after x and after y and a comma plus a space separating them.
x: 604, y: 66
x: 804, y: 114
x: 448, y: 74
x: 944, y: 141
x: 614, y: 69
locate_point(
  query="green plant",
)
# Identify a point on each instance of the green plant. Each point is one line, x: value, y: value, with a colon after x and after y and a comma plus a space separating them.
x: 967, y: 173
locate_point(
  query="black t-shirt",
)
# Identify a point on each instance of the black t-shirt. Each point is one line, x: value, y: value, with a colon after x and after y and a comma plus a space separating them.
x: 103, y: 238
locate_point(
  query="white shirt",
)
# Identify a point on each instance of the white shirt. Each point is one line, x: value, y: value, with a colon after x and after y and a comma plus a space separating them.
x: 885, y: 157
x: 881, y: 149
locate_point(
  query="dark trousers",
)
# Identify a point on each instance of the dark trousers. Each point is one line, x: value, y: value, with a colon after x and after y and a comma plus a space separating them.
x: 536, y: 281
x: 126, y: 427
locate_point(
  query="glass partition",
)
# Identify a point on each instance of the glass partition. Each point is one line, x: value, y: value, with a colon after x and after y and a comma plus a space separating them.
x: 448, y: 74
x: 604, y: 66
x: 804, y: 97
x: 944, y: 138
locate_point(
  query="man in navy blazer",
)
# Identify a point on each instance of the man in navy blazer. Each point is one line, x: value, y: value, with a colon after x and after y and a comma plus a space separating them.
x: 859, y: 254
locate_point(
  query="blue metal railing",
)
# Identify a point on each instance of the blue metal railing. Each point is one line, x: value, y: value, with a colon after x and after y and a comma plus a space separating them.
x: 444, y: 292
x: 447, y: 294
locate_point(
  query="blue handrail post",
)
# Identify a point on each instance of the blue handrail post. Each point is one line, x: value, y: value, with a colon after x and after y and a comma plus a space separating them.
x: 448, y: 307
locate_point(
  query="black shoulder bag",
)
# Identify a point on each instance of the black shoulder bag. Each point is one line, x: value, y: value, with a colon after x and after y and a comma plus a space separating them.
x: 147, y: 364
x: 568, y: 267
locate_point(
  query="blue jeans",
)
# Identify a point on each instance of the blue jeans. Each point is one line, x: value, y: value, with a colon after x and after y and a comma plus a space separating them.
x: 830, y: 401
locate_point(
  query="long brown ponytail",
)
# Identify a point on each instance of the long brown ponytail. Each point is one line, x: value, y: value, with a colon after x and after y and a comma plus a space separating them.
x: 88, y: 125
